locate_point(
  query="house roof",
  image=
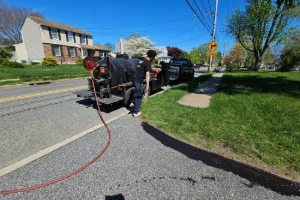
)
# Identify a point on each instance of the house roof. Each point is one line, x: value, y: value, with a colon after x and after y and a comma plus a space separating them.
x: 100, y: 47
x: 58, y: 25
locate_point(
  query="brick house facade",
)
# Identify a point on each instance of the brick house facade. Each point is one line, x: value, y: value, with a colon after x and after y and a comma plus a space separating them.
x: 47, y: 38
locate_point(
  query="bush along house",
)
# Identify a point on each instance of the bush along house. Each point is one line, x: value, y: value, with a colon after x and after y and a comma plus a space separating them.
x: 47, y: 38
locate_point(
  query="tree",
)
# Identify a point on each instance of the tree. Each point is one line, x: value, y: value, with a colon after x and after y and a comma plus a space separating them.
x: 186, y: 55
x: 110, y: 46
x: 134, y: 35
x: 138, y: 47
x: 199, y: 54
x: 12, y: 19
x: 236, y: 56
x: 290, y: 55
x: 5, y: 54
x: 174, y: 52
x: 262, y: 23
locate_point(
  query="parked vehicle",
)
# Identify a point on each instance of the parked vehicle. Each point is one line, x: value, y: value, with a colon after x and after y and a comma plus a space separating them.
x: 114, y: 78
x: 181, y: 69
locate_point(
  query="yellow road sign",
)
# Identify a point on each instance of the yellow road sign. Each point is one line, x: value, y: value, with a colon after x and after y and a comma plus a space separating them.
x: 211, y: 54
x: 212, y: 46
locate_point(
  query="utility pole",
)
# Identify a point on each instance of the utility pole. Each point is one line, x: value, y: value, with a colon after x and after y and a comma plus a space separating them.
x: 214, y: 32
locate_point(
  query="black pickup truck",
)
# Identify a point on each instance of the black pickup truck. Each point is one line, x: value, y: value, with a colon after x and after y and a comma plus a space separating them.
x: 181, y: 69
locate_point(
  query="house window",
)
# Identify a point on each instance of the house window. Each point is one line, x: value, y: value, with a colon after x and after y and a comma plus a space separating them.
x: 54, y: 33
x: 71, y: 51
x: 83, y: 39
x: 70, y: 37
x: 84, y: 52
x: 56, y: 50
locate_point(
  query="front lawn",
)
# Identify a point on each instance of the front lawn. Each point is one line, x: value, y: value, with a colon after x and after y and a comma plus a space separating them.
x: 255, y: 115
x: 38, y: 73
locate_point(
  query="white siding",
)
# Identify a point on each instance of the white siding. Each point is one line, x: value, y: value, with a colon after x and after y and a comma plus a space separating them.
x: 63, y: 37
x: 32, y: 40
x: 20, y: 53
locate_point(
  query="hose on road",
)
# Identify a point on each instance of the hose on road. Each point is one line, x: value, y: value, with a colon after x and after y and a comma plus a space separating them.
x: 78, y: 170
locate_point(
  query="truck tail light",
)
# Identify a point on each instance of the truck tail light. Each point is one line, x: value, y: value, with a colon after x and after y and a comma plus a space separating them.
x: 177, y: 72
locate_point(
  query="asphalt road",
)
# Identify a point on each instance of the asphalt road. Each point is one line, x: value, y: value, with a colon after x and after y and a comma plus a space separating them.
x: 136, y: 165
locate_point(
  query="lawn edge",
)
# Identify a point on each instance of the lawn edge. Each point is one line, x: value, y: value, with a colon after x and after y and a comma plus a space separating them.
x: 257, y: 176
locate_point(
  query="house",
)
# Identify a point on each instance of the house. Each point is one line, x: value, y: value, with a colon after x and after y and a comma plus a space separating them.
x: 163, y: 54
x: 47, y: 38
x: 121, y: 46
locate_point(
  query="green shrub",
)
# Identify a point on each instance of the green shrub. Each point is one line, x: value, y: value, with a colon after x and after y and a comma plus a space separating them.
x: 4, y: 54
x: 49, y: 61
x: 79, y: 61
x: 7, y: 63
x: 14, y: 65
x: 34, y: 63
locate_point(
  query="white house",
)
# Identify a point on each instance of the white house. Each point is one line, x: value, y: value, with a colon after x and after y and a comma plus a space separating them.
x: 163, y: 54
x: 47, y: 38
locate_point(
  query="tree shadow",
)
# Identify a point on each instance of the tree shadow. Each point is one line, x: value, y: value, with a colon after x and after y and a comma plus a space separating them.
x: 248, y: 84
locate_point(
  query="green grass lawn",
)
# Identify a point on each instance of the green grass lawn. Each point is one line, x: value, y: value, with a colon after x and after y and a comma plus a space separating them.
x: 37, y: 73
x: 254, y: 114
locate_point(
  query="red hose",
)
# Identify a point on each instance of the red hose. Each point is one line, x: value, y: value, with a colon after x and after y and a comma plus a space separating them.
x: 76, y: 171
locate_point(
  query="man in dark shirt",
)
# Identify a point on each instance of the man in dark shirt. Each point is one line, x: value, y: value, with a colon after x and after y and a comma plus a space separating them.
x: 142, y: 71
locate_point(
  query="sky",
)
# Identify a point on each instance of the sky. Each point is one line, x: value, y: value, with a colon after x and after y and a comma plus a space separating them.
x: 165, y: 22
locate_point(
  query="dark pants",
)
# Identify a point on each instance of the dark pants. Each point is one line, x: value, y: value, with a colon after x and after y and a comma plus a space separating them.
x: 138, y: 97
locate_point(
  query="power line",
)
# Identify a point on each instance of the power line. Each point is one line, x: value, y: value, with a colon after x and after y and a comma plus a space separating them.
x: 189, y: 29
x: 203, y: 4
x: 202, y: 14
x: 208, y: 29
x: 197, y: 37
x: 162, y: 22
x: 209, y: 6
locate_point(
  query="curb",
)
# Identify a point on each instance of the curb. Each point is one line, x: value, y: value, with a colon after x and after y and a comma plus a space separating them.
x: 255, y: 175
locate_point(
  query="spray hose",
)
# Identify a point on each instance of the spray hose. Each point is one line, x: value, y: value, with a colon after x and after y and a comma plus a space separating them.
x: 78, y: 170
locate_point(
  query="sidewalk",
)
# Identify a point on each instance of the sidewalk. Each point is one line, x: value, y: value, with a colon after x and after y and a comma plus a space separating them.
x: 202, y: 96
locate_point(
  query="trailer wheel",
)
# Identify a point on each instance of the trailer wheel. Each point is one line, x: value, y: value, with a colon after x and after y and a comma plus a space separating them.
x: 129, y: 96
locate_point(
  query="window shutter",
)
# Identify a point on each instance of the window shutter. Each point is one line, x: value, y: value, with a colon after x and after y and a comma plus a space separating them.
x: 61, y: 51
x: 69, y: 54
x: 67, y: 36
x: 74, y: 37
x: 86, y: 39
x: 53, y: 52
x: 58, y: 34
x: 80, y: 39
x: 49, y: 29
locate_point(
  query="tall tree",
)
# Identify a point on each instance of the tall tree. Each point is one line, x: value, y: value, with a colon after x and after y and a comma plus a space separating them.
x: 12, y: 19
x: 110, y: 46
x: 134, y: 35
x: 138, y: 47
x: 186, y: 55
x: 262, y: 23
x: 174, y: 52
x: 199, y: 54
x: 290, y: 55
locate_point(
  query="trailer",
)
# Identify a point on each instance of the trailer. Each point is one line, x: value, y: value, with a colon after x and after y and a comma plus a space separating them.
x: 113, y: 79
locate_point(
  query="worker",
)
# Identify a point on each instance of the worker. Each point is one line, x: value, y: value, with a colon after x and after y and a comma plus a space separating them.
x: 142, y: 71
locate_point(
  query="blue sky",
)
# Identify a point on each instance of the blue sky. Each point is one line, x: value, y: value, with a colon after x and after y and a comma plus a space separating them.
x: 165, y: 22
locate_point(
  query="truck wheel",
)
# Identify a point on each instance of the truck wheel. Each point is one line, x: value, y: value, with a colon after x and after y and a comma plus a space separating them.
x: 129, y: 97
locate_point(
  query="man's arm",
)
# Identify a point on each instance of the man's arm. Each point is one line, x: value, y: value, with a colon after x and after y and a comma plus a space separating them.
x: 147, y: 81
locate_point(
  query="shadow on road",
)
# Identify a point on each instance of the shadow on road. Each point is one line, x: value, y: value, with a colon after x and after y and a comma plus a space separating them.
x: 254, y: 175
x: 115, y: 197
x: 104, y: 108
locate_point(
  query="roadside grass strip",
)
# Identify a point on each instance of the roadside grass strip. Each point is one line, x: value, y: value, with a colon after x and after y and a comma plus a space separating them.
x: 255, y: 115
x: 41, y: 73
